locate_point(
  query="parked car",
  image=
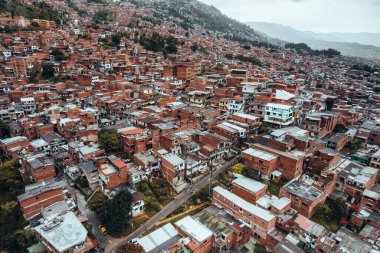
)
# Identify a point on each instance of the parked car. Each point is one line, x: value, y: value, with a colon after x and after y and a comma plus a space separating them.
x: 102, y: 229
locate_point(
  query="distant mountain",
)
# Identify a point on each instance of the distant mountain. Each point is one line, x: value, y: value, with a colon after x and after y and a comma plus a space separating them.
x: 361, y: 38
x: 351, y: 44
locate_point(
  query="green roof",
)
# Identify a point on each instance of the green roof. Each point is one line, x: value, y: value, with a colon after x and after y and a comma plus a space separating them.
x: 38, y: 248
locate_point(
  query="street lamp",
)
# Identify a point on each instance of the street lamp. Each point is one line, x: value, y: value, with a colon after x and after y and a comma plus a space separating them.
x: 210, y: 180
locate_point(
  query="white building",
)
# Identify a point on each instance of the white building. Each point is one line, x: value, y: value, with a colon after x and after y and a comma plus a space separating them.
x: 279, y: 114
x: 235, y: 105
x: 249, y: 87
x: 63, y: 233
x: 242, y: 131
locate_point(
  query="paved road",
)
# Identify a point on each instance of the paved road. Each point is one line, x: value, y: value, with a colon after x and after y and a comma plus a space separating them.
x: 169, y: 208
x: 91, y: 217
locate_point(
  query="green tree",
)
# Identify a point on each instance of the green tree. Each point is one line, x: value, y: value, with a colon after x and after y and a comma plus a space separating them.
x: 4, y: 130
x: 323, y: 211
x: 340, y: 128
x: 103, y: 16
x: 116, y: 39
x: 339, y: 208
x: 109, y: 139
x: 229, y: 56
x: 219, y: 67
x: 157, y: 43
x: 97, y: 202
x: 250, y: 59
x: 194, y: 47
x: 58, y: 55
x: 34, y: 75
x: 11, y: 182
x: 13, y: 238
x: 38, y: 10
x: 154, y: 42
x: 116, y: 213
x: 248, y: 172
x: 48, y: 71
x: 130, y: 248
x: 354, y: 145
x: 171, y: 49
x: 21, y: 239
x: 263, y: 128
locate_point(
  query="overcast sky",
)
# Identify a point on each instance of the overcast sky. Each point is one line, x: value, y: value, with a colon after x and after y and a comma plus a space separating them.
x: 307, y: 15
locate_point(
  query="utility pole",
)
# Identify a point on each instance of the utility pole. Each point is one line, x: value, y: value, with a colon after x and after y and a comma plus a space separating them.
x: 210, y: 180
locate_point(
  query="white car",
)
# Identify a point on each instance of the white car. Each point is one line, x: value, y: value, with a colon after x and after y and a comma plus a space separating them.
x: 134, y: 241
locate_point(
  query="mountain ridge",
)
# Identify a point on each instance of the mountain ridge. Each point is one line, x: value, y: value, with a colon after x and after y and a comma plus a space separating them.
x: 317, y: 40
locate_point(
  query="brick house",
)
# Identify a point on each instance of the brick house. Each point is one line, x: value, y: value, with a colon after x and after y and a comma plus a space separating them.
x: 248, y: 189
x: 337, y: 141
x: 213, y: 145
x: 113, y: 173
x: 320, y: 124
x: 304, y: 197
x: 135, y: 140
x: 246, y: 118
x: 291, y: 145
x: 40, y: 195
x: 260, y: 220
x: 307, y: 231
x: 264, y: 163
x: 228, y: 232
x: 14, y: 145
x: 355, y: 179
x: 38, y: 168
x: 89, y: 152
x: 371, y: 200
x: 201, y: 238
x: 173, y: 170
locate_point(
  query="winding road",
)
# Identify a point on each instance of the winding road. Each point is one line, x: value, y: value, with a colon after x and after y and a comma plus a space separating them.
x: 169, y: 208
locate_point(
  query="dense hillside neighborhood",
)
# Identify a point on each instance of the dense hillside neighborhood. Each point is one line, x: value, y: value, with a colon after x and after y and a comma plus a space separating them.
x: 164, y: 126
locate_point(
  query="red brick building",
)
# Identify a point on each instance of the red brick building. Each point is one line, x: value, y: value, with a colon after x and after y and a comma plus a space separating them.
x: 304, y: 197
x: 38, y: 168
x: 248, y: 189
x: 14, y: 145
x: 264, y: 163
x: 40, y: 195
x: 173, y: 170
x: 113, y: 173
x: 260, y: 220
x: 201, y: 238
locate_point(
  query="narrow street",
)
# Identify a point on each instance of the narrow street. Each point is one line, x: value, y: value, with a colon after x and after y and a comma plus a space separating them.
x: 169, y: 208
x: 92, y: 218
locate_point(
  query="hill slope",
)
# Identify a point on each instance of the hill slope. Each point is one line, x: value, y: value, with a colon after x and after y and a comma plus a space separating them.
x: 192, y: 13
